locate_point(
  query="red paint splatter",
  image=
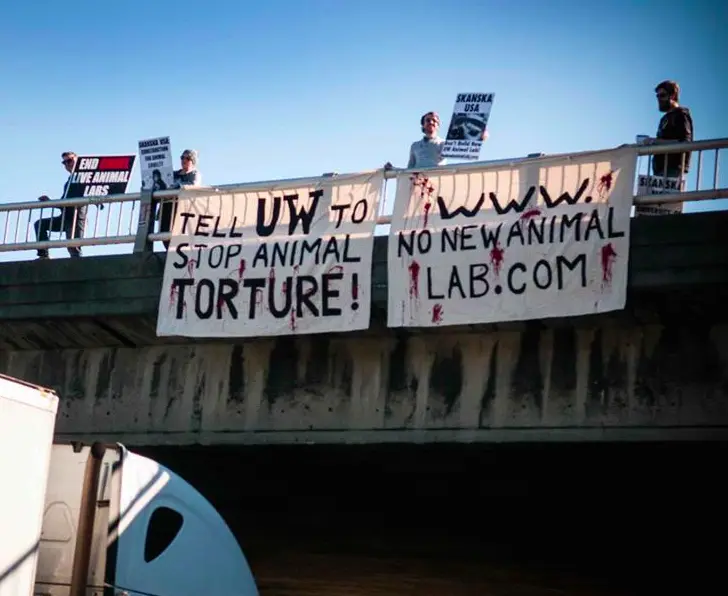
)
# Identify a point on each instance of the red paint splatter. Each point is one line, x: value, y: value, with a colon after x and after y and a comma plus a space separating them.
x: 531, y: 213
x: 284, y: 287
x: 426, y: 190
x: 190, y: 266
x: 608, y: 257
x: 437, y: 313
x: 605, y: 183
x: 414, y: 271
x: 220, y: 302
x: 272, y: 274
x: 335, y: 269
x: 258, y: 297
x: 496, y: 258
x: 241, y: 269
x: 292, y: 323
x: 296, y: 268
x: 172, y: 294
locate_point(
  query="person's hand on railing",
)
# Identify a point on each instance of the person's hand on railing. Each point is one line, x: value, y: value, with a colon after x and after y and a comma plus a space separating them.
x: 44, y: 198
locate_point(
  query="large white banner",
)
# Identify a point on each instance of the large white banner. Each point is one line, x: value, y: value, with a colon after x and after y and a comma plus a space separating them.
x: 545, y: 238
x: 285, y: 261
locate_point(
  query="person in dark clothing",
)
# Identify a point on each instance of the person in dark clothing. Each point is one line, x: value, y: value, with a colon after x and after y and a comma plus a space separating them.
x: 157, y: 182
x: 72, y: 220
x: 676, y: 125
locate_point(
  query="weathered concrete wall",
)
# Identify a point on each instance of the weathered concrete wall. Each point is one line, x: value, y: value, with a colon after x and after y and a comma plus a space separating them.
x: 605, y: 381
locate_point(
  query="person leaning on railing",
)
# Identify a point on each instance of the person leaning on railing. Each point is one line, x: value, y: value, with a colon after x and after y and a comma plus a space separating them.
x: 427, y: 152
x: 676, y: 126
x: 188, y: 175
x: 72, y: 220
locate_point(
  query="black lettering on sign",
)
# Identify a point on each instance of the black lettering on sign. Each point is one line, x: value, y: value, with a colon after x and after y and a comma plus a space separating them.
x: 512, y: 205
x: 178, y: 289
x: 462, y: 210
x: 474, y: 274
x: 423, y: 238
x: 565, y: 197
x: 304, y: 215
x: 329, y: 292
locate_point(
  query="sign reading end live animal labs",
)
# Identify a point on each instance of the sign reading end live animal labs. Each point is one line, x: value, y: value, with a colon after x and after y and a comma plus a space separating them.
x: 100, y: 176
x: 284, y: 260
x: 545, y: 238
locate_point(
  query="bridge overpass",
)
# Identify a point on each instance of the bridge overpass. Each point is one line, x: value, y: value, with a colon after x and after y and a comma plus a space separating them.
x: 658, y: 370
x: 490, y: 512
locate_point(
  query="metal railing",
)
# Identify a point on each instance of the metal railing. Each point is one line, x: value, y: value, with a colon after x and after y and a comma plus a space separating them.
x: 130, y: 219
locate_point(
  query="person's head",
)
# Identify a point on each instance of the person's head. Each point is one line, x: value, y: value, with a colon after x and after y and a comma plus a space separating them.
x: 430, y: 122
x: 68, y: 159
x: 668, y: 95
x: 189, y: 159
x: 156, y: 175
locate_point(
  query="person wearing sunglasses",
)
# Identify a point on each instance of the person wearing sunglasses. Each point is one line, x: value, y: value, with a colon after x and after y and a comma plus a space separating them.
x: 676, y: 126
x: 188, y: 174
x: 72, y: 220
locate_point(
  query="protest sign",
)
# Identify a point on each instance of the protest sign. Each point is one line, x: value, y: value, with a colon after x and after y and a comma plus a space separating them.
x: 285, y: 260
x: 467, y: 125
x: 157, y: 169
x: 659, y: 185
x: 545, y: 238
x: 99, y: 176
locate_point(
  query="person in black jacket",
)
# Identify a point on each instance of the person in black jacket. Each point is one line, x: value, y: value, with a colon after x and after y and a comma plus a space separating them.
x: 72, y: 220
x: 676, y: 125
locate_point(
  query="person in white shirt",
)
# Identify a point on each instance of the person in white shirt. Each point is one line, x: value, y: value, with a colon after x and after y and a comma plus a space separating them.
x: 427, y: 152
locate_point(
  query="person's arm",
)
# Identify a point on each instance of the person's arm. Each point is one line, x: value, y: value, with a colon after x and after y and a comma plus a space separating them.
x: 684, y: 126
x: 196, y: 181
x: 412, y: 159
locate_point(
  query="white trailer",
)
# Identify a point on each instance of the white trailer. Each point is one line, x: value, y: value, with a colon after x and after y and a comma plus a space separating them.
x: 98, y: 520
x: 27, y: 422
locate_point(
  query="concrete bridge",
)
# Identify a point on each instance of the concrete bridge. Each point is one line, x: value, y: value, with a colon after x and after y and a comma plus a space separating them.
x: 656, y: 371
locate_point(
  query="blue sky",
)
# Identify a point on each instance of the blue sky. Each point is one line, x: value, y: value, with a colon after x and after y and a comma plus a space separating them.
x: 284, y: 89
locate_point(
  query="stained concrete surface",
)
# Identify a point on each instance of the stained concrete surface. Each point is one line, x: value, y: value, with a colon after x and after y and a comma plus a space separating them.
x: 586, y: 382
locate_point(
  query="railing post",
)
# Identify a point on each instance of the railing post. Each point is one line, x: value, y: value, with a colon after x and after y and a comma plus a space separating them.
x: 146, y: 222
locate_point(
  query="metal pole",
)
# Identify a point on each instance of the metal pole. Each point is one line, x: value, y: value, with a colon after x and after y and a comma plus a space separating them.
x: 86, y: 518
x: 146, y: 222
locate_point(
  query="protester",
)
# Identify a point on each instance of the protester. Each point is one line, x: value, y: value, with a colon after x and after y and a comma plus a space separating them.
x: 676, y: 125
x: 188, y: 175
x: 427, y: 152
x: 72, y: 220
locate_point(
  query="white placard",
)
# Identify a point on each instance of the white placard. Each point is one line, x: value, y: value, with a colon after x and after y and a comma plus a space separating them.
x: 157, y: 169
x: 659, y: 185
x: 467, y: 125
x: 287, y: 260
x: 546, y: 238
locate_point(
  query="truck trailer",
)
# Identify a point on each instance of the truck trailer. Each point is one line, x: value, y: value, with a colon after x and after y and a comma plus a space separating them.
x: 83, y: 520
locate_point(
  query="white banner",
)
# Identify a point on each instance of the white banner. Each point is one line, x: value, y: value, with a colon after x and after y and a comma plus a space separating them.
x: 659, y: 185
x: 287, y: 260
x: 545, y: 238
